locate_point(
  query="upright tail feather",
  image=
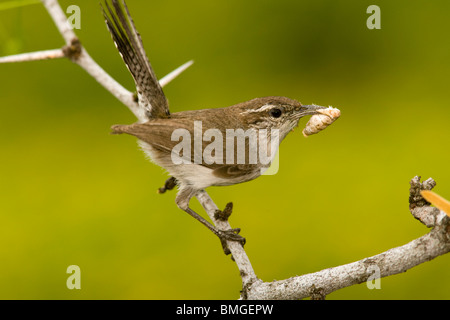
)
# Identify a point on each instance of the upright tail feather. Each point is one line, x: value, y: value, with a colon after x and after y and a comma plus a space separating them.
x: 128, y: 42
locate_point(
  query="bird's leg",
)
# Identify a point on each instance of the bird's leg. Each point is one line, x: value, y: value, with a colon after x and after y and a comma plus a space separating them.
x: 182, y: 200
x: 223, y: 215
x: 224, y: 235
x: 168, y: 185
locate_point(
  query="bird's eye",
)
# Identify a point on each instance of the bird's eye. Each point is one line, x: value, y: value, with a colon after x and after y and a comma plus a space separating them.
x: 275, y: 113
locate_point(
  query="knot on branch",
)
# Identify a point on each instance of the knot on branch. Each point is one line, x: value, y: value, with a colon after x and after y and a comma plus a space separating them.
x: 316, y: 293
x: 419, y: 207
x: 73, y: 50
x: 224, y: 214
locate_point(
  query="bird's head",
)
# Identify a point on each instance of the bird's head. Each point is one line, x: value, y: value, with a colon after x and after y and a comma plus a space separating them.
x: 275, y: 113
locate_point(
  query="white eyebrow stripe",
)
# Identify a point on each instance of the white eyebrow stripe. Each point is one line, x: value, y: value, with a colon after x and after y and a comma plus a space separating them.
x: 260, y: 109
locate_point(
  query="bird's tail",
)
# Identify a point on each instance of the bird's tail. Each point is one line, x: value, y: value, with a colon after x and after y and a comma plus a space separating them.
x: 129, y: 43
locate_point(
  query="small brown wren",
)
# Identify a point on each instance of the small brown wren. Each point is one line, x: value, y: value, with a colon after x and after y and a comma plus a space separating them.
x: 209, y: 159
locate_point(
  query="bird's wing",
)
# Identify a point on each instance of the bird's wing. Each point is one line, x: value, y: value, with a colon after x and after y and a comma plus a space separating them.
x: 128, y: 42
x: 159, y: 135
x: 242, y: 172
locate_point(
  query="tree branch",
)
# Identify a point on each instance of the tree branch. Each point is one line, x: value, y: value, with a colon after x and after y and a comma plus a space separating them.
x: 175, y: 73
x: 393, y: 261
x: 85, y: 61
x: 60, y: 20
x: 76, y: 52
x: 238, y: 253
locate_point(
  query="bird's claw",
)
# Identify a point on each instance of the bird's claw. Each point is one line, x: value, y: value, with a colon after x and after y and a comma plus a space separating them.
x: 168, y: 185
x: 230, y: 235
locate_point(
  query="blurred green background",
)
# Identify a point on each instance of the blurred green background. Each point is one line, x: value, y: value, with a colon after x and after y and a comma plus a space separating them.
x: 71, y: 193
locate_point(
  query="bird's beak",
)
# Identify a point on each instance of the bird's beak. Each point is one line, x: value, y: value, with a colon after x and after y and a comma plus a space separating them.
x: 312, y: 109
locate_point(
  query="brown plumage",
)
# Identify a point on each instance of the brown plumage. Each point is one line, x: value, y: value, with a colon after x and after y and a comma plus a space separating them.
x: 221, y: 165
x: 129, y: 43
x: 158, y: 132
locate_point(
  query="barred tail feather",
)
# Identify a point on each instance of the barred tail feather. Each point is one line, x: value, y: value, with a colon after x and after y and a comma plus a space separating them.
x: 129, y: 43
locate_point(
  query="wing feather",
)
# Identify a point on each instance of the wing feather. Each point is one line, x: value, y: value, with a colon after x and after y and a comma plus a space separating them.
x: 158, y: 133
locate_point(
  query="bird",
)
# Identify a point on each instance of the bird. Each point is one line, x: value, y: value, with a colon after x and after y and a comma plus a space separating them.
x: 208, y: 159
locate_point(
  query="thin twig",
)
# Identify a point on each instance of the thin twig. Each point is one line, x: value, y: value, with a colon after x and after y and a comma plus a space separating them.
x: 109, y: 83
x: 84, y: 60
x: 393, y: 261
x: 175, y: 73
x: 33, y: 56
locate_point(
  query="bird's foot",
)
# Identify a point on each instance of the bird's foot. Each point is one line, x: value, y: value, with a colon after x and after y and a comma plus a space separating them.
x: 168, y: 185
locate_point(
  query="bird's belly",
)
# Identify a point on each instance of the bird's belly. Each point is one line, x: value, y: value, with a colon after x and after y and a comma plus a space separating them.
x: 195, y: 175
